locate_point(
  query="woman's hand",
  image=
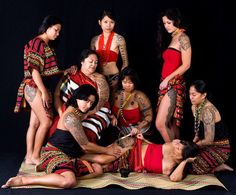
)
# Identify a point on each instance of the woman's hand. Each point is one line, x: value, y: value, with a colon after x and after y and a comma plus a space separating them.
x: 163, y: 84
x: 114, y: 150
x: 71, y: 70
x: 47, y: 101
x: 140, y: 136
x: 135, y: 131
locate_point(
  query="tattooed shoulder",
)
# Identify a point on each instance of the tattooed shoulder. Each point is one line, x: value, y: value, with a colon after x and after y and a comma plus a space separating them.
x: 184, y: 41
x: 120, y: 39
x: 70, y: 120
x: 208, y: 115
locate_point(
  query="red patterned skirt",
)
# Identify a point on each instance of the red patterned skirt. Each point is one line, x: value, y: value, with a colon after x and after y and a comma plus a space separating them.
x: 210, y: 157
x: 53, y: 160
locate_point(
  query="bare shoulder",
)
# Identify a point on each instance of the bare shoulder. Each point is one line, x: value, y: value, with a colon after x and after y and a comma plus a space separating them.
x: 70, y: 119
x: 119, y: 39
x: 97, y: 77
x: 184, y: 41
x: 140, y: 94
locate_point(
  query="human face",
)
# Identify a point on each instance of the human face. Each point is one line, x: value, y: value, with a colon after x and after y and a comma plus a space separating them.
x: 53, y: 31
x: 168, y: 24
x: 107, y: 24
x: 178, y: 148
x: 89, y: 64
x: 127, y: 84
x: 195, y: 97
x: 85, y: 105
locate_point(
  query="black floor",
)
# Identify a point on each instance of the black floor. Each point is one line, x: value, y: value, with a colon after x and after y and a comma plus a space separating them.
x: 10, y: 163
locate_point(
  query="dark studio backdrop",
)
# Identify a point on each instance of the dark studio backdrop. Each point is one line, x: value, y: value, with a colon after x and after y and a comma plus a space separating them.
x: 208, y: 23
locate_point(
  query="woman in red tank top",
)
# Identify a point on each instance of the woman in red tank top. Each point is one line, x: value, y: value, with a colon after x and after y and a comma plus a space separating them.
x: 131, y: 107
x: 108, y: 45
x: 176, y: 61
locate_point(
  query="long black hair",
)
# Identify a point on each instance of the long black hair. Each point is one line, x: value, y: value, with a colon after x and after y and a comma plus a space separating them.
x: 172, y: 14
x: 190, y: 149
x: 49, y: 21
x: 133, y: 76
x: 83, y: 93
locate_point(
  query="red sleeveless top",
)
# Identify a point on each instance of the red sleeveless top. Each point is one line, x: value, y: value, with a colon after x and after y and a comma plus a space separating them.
x: 131, y: 116
x: 172, y: 60
x: 153, y: 158
x: 104, y: 51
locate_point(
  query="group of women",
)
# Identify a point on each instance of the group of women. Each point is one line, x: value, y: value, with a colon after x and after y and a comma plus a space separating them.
x: 87, y: 102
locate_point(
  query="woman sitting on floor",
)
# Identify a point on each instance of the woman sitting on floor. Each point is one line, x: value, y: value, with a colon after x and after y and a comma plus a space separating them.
x: 60, y: 157
x: 131, y: 107
x: 97, y: 120
x: 210, y: 133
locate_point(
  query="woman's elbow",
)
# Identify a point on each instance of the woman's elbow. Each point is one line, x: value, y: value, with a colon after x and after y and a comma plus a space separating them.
x: 175, y: 178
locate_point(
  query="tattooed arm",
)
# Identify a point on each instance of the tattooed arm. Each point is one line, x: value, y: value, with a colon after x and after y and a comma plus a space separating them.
x: 208, y: 118
x: 123, y: 51
x: 146, y: 109
x: 103, y: 91
x: 74, y: 126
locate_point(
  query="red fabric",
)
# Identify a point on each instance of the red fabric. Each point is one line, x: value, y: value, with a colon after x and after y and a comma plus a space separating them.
x: 80, y: 78
x: 153, y: 158
x: 131, y: 116
x: 104, y: 51
x: 172, y: 60
x: 135, y: 158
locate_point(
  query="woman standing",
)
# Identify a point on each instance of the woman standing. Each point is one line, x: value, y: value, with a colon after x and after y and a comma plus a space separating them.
x: 177, y: 59
x: 40, y: 63
x: 108, y: 45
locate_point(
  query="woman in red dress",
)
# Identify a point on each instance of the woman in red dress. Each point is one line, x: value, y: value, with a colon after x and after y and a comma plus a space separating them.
x: 177, y: 60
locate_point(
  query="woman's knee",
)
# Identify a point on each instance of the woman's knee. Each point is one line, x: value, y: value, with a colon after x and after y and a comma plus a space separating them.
x: 97, y: 168
x: 69, y: 182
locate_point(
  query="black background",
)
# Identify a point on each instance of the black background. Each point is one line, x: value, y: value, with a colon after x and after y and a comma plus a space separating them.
x: 209, y: 25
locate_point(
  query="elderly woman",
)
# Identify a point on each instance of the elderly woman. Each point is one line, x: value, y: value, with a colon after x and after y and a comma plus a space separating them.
x: 98, y: 119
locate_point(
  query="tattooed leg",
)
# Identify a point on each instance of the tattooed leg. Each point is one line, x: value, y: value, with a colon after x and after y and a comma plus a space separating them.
x: 30, y: 92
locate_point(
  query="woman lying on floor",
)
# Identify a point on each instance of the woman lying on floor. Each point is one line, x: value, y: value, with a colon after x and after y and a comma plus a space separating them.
x: 141, y: 155
x: 60, y: 157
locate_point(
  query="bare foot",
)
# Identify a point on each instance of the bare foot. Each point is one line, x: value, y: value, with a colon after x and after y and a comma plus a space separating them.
x: 13, y: 181
x: 36, y: 161
x: 224, y: 167
x: 32, y: 161
x: 28, y: 161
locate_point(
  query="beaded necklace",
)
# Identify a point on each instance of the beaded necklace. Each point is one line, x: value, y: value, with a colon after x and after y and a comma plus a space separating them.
x: 122, y: 105
x: 197, y: 114
x: 177, y: 31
